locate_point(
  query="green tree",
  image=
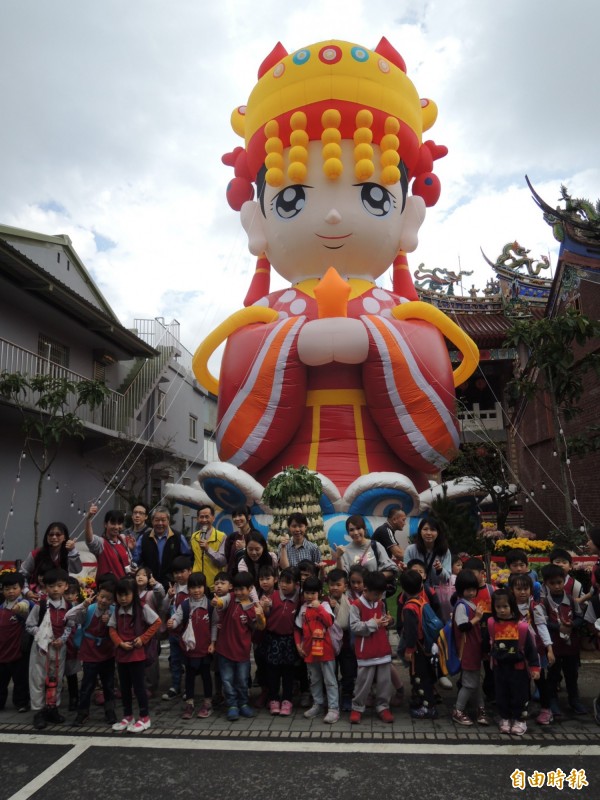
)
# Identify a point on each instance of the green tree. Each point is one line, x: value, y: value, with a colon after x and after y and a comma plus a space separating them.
x: 554, y: 363
x: 487, y: 465
x: 49, y: 408
x: 460, y: 523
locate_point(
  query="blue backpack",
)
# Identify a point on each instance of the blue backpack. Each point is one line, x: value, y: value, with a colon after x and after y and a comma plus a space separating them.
x: 449, y: 653
x: 431, y: 624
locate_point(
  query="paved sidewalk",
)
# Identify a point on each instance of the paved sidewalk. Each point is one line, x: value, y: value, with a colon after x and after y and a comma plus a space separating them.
x: 166, y: 721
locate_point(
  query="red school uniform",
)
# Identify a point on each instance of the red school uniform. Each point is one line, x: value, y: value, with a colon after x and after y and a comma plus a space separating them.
x: 237, y: 622
x: 122, y: 629
x: 282, y: 616
x: 11, y: 631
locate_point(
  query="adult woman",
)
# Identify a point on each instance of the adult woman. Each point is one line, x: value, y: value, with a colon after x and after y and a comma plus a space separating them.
x: 236, y: 542
x: 57, y: 551
x: 361, y: 550
x: 431, y: 548
x: 256, y: 556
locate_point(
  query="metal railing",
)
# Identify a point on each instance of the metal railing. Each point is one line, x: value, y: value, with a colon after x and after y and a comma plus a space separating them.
x: 119, y: 410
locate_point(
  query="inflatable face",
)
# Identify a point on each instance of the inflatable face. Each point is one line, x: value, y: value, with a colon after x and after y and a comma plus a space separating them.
x: 335, y: 372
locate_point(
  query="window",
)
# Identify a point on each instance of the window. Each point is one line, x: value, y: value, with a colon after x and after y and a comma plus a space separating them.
x: 210, y: 449
x: 53, y: 351
x: 99, y: 372
x: 161, y: 404
x: 193, y: 428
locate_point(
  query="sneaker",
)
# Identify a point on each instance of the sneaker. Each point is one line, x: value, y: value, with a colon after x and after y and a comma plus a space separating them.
x: 306, y: 700
x: 205, y: 710
x: 445, y: 682
x: 39, y: 720
x: 347, y: 704
x: 545, y: 717
x: 482, y: 717
x: 424, y: 712
x: 555, y: 708
x: 313, y: 712
x: 286, y: 709
x: 504, y: 726
x: 142, y: 724
x: 233, y: 714
x: 385, y: 715
x: 123, y: 724
x: 355, y: 717
x: 188, y: 711
x: 332, y: 716
x: 577, y: 706
x: 460, y: 717
x: 518, y: 728
x: 274, y: 707
x: 171, y: 694
x: 596, y: 708
x: 80, y: 718
x: 246, y: 711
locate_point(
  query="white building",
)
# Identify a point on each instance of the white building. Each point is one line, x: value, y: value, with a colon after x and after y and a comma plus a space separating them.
x: 55, y: 320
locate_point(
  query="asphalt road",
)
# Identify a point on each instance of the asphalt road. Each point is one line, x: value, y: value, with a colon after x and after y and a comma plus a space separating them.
x: 96, y: 769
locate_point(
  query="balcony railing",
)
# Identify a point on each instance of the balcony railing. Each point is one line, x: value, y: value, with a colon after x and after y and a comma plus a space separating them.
x: 477, y: 419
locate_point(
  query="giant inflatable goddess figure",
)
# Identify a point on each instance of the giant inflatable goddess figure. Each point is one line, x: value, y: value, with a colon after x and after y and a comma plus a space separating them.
x: 336, y: 372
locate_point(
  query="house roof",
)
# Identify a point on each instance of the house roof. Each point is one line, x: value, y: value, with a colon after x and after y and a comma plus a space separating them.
x: 30, y: 277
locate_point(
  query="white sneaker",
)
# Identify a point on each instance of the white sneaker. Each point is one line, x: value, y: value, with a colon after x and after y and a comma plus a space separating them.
x: 313, y: 712
x: 140, y: 726
x: 332, y: 716
x: 123, y: 725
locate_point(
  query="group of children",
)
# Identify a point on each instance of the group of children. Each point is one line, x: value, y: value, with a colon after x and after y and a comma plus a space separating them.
x: 335, y: 641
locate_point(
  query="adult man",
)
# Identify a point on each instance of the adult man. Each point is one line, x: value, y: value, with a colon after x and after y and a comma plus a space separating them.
x: 208, y: 546
x: 291, y: 553
x: 385, y: 535
x: 157, y: 548
x: 139, y: 524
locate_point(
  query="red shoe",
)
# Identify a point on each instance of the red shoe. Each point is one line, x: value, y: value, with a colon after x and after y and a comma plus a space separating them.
x: 355, y: 717
x: 385, y: 715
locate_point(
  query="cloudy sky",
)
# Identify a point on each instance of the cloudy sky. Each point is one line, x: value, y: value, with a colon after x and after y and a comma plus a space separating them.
x: 116, y: 114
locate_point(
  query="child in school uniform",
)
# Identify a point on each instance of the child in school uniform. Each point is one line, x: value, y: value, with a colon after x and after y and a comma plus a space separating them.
x: 50, y: 630
x: 238, y: 617
x: 74, y: 596
x: 564, y: 559
x: 535, y: 616
x: 314, y: 645
x: 467, y: 631
x: 177, y: 593
x: 131, y: 627
x: 267, y: 580
x: 198, y: 626
x: 565, y: 618
x: 151, y: 592
x: 96, y: 652
x: 14, y: 610
x: 414, y: 651
x: 280, y: 611
x: 369, y: 622
x: 337, y: 582
x: 483, y: 601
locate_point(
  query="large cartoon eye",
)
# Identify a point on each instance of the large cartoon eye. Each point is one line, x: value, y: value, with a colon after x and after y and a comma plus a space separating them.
x: 376, y: 199
x: 289, y: 202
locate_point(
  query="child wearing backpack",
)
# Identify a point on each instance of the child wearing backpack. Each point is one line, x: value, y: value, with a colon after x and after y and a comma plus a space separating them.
x: 314, y: 643
x: 198, y: 626
x: 417, y: 649
x: 337, y: 581
x: 96, y: 651
x: 514, y: 658
x: 131, y: 627
x: 467, y: 630
x: 535, y: 616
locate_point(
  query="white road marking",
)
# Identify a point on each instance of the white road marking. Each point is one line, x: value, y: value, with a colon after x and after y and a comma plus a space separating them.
x: 296, y: 746
x: 48, y: 774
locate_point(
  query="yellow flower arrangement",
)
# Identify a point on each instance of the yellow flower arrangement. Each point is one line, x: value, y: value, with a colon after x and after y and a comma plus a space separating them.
x: 521, y: 543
